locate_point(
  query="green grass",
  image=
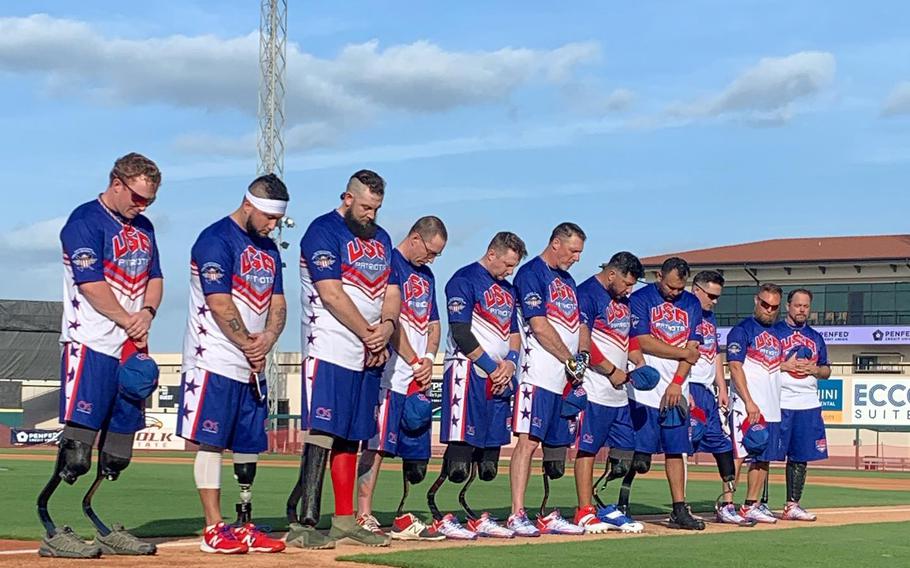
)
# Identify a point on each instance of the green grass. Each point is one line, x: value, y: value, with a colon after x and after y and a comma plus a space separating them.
x: 856, y: 546
x: 161, y: 500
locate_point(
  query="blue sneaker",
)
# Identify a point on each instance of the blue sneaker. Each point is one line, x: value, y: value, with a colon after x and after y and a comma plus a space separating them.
x: 616, y: 520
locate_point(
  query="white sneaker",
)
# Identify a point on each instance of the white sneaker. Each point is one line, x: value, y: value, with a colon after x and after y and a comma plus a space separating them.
x: 555, y: 524
x: 409, y: 527
x: 486, y: 526
x: 451, y: 528
x: 616, y: 520
x: 586, y: 517
x: 728, y: 515
x: 521, y: 526
x: 370, y: 523
x: 756, y: 512
x: 793, y: 512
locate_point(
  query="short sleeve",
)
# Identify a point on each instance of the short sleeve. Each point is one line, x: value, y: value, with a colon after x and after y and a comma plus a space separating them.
x: 532, y: 294
x: 459, y: 300
x: 737, y: 344
x: 587, y: 310
x: 215, y: 263
x: 434, y: 309
x: 822, y: 351
x: 84, y: 246
x: 278, y: 284
x: 641, y: 317
x: 155, y: 268
x: 696, y: 314
x: 514, y: 326
x: 320, y: 251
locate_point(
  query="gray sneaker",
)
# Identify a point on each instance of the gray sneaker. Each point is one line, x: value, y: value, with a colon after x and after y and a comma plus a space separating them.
x: 303, y: 536
x: 66, y: 544
x: 346, y: 527
x: 118, y: 541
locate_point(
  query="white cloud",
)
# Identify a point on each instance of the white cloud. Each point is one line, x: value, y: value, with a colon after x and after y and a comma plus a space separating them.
x: 38, y: 237
x: 324, y: 96
x: 765, y: 92
x: 594, y: 100
x: 898, y: 101
x: 35, y: 250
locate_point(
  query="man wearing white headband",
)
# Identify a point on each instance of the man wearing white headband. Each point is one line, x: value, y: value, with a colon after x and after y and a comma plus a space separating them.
x: 237, y: 311
x: 350, y: 306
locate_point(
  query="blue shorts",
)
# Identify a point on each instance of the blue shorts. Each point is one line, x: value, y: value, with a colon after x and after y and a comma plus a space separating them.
x: 338, y: 401
x: 802, y: 435
x: 90, y: 395
x: 715, y: 441
x: 651, y: 437
x: 604, y: 426
x: 224, y: 413
x: 468, y: 415
x: 537, y: 413
x: 772, y: 451
x: 393, y: 440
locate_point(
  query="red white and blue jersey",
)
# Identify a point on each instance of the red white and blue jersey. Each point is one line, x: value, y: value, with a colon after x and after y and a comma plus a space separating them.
x: 330, y: 251
x: 99, y: 246
x: 758, y: 348
x: 705, y: 370
x: 800, y: 392
x: 610, y: 321
x: 473, y: 296
x: 418, y: 311
x: 227, y: 260
x: 675, y: 323
x: 550, y: 293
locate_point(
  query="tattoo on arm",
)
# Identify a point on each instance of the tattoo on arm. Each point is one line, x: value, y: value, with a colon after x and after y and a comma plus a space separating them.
x: 235, y: 325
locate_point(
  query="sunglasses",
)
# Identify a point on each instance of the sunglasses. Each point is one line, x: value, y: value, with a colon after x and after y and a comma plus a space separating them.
x: 708, y: 294
x: 138, y: 200
x: 767, y: 306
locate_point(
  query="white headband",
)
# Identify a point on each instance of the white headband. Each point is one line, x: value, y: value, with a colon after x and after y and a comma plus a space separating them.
x: 267, y: 206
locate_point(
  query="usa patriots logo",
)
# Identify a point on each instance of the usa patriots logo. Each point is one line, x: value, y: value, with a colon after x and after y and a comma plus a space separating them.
x: 794, y: 341
x: 614, y: 324
x: 708, y: 348
x: 416, y: 300
x: 562, y: 306
x: 367, y: 266
x: 253, y: 284
x: 765, y: 351
x: 495, y: 309
x: 670, y: 324
x: 127, y: 269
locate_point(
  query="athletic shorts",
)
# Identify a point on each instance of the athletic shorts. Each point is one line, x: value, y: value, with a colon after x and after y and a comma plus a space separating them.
x: 537, y: 412
x: 651, y: 437
x: 90, y: 394
x: 222, y: 412
x: 802, y: 435
x: 340, y: 402
x: 468, y: 413
x: 715, y: 440
x: 602, y: 426
x: 772, y: 451
x: 392, y: 439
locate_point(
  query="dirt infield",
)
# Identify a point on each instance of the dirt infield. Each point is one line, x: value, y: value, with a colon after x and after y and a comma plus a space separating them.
x: 185, y: 552
x: 815, y: 478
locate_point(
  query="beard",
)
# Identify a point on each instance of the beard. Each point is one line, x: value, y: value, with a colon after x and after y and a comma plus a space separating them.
x: 251, y: 228
x: 366, y: 230
x: 765, y: 320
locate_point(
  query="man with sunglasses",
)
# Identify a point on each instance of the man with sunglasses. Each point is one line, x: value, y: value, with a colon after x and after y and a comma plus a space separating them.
x: 802, y: 428
x: 112, y: 289
x: 237, y: 311
x: 754, y: 357
x: 665, y: 321
x: 708, y: 394
x: 406, y: 374
x: 350, y: 307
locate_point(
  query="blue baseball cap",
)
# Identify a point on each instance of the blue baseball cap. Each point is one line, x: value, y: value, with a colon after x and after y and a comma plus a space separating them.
x: 137, y: 377
x: 698, y: 424
x: 644, y: 378
x: 801, y: 352
x: 675, y: 416
x: 574, y: 402
x: 756, y: 438
x: 417, y: 412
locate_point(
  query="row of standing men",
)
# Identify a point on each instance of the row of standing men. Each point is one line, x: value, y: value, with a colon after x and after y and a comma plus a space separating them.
x: 540, y: 359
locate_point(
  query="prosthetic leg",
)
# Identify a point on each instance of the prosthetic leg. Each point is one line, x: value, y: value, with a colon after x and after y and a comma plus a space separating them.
x: 307, y: 492
x: 245, y: 473
x: 641, y: 463
x: 619, y: 463
x: 412, y: 472
x: 457, y: 467
x: 554, y: 467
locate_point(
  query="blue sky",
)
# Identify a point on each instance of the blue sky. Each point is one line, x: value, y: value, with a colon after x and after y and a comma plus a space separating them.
x: 657, y: 127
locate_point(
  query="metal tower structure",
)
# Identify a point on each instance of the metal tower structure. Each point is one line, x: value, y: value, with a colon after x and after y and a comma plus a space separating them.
x: 273, y: 27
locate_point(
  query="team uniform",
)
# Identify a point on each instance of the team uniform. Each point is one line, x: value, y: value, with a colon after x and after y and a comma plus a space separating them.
x: 701, y: 390
x: 802, y: 430
x: 339, y: 395
x: 471, y: 413
x: 606, y: 420
x: 418, y: 311
x: 222, y: 402
x: 99, y: 246
x: 675, y: 323
x: 758, y: 348
x: 551, y: 293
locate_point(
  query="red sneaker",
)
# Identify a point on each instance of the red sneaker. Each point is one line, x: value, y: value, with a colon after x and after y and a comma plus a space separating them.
x: 256, y: 540
x: 220, y: 539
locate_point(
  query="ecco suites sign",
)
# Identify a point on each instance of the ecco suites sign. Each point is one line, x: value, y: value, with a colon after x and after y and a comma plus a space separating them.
x: 881, y: 402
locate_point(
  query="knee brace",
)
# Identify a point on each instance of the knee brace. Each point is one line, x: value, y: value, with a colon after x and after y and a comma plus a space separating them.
x: 488, y: 464
x: 77, y: 459
x: 641, y: 463
x: 620, y: 463
x: 456, y: 462
x: 414, y: 470
x: 554, y: 461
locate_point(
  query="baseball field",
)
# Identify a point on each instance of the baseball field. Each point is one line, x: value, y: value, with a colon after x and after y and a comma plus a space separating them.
x: 864, y: 519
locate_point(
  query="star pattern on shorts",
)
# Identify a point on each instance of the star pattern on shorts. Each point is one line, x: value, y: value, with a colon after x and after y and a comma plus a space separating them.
x: 526, y: 393
x: 455, y: 421
x: 74, y: 351
x: 191, y: 386
x: 458, y: 381
x: 525, y: 414
x: 71, y: 375
x: 186, y: 411
x: 455, y: 400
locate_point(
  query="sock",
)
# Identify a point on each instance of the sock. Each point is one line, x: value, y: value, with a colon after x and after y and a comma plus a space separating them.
x: 750, y: 502
x: 344, y: 473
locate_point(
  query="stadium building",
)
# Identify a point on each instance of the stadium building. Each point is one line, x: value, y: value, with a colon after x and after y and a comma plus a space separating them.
x: 861, y: 305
